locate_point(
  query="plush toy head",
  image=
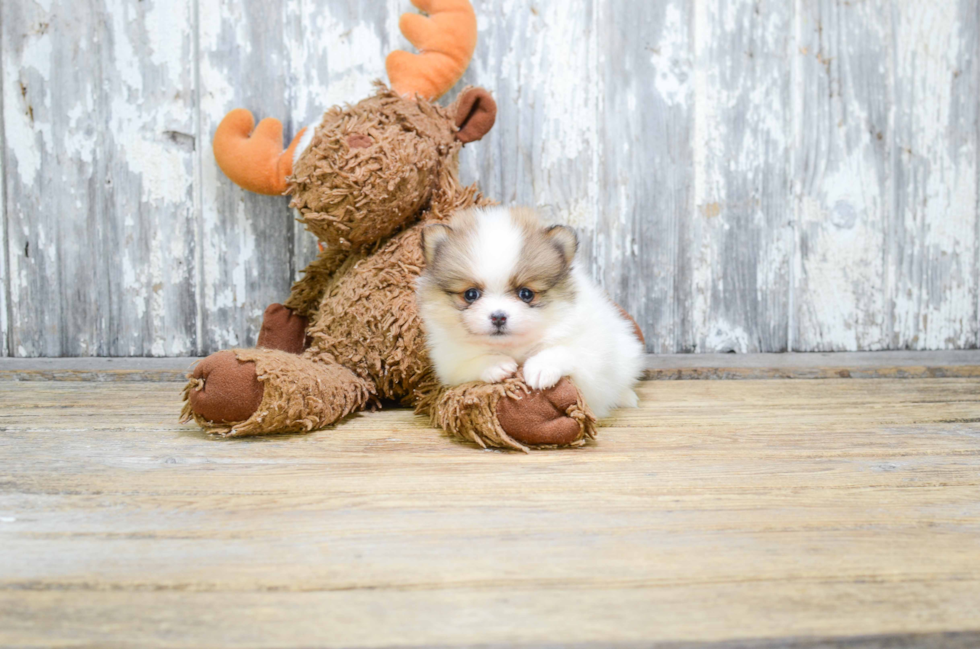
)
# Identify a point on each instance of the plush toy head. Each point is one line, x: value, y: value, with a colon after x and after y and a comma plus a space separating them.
x: 372, y: 167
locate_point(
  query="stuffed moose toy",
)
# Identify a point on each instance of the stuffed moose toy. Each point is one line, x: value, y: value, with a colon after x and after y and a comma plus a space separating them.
x: 365, y: 181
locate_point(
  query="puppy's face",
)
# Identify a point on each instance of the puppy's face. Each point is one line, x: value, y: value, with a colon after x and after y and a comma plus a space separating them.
x: 497, y: 274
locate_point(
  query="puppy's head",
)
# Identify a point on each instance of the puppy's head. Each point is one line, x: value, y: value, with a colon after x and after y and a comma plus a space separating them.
x: 497, y: 274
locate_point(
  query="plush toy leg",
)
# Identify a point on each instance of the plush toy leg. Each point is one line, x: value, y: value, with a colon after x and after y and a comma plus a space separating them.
x: 259, y: 391
x: 283, y: 329
x: 511, y: 415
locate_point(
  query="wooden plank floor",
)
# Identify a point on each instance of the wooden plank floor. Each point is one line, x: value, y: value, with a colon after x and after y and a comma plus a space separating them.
x: 828, y: 512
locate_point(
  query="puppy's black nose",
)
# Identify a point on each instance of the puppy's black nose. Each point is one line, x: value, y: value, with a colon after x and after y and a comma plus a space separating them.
x: 498, y: 318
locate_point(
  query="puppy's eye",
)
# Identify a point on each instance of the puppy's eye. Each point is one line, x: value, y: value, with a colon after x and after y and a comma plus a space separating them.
x: 471, y: 295
x: 526, y: 295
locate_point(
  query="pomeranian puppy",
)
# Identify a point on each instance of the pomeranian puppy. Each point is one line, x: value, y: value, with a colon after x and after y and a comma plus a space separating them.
x: 500, y: 290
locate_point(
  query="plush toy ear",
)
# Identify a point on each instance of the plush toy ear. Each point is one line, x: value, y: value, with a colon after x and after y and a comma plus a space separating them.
x: 432, y: 236
x: 476, y: 111
x: 565, y: 240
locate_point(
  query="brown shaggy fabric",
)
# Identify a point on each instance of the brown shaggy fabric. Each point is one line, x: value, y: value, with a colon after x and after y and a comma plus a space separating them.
x: 369, y: 202
x: 298, y: 396
x: 353, y: 197
x: 283, y: 329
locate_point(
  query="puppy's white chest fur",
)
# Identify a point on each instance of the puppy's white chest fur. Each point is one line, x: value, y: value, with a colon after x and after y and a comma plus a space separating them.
x: 501, y: 291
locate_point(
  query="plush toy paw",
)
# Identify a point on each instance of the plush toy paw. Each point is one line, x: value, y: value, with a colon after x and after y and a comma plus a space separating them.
x: 500, y: 371
x: 283, y: 329
x: 540, y: 374
x: 227, y: 389
x: 541, y: 417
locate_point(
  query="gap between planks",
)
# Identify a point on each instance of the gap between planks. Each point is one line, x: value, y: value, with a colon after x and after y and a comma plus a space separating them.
x: 659, y: 367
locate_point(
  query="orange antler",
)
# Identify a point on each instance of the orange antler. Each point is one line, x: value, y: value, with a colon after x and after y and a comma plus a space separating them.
x: 445, y: 39
x: 254, y: 160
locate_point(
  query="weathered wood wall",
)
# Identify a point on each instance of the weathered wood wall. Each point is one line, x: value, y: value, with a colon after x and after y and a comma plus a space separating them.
x: 746, y: 175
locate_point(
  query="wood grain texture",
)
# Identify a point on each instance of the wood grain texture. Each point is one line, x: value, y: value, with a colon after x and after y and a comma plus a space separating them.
x: 932, y: 244
x: 718, y: 511
x: 40, y: 81
x: 844, y: 177
x: 888, y: 176
x: 247, y: 239
x: 751, y: 175
x: 99, y: 114
x: 4, y: 269
x: 641, y: 249
x: 740, y: 231
x: 661, y: 367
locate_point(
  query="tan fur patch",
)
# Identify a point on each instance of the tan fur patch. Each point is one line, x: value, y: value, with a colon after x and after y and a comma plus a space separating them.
x: 449, y: 268
x: 545, y: 261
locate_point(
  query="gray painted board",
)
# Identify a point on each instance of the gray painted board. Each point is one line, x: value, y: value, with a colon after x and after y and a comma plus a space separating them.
x: 745, y: 175
x: 843, y: 175
x: 99, y: 109
x: 646, y: 174
x: 740, y: 232
x: 933, y: 243
x: 4, y: 284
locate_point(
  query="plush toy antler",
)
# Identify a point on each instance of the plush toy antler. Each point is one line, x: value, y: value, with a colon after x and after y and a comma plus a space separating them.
x: 254, y: 160
x: 446, y: 40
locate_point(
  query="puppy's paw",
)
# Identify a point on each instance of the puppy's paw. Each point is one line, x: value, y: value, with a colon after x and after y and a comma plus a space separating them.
x: 497, y: 372
x: 539, y: 374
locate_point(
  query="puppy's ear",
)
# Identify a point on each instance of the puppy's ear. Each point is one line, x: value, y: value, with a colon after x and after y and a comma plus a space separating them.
x: 432, y: 236
x: 565, y: 240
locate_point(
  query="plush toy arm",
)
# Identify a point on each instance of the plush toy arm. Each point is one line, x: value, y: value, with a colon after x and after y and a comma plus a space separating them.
x: 307, y: 292
x: 510, y: 415
x: 254, y: 160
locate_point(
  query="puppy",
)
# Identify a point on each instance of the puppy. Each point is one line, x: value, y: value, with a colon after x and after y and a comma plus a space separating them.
x: 500, y: 290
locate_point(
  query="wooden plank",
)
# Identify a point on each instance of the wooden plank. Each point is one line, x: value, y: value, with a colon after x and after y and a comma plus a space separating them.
x: 539, y: 61
x: 932, y: 243
x: 715, y: 513
x: 4, y: 275
x: 246, y: 256
x: 96, y: 369
x: 844, y: 175
x: 857, y: 365
x: 99, y: 116
x: 740, y: 237
x: 646, y: 164
x: 149, y: 224
x: 53, y: 109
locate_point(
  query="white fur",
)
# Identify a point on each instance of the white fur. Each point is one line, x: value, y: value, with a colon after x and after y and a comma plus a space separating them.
x: 585, y: 338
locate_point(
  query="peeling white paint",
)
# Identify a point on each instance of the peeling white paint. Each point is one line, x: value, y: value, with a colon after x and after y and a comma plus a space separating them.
x: 26, y: 76
x: 672, y: 59
x: 569, y: 122
x: 875, y: 209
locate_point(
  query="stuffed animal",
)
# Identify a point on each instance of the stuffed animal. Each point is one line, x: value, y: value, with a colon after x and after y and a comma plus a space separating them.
x: 365, y: 181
